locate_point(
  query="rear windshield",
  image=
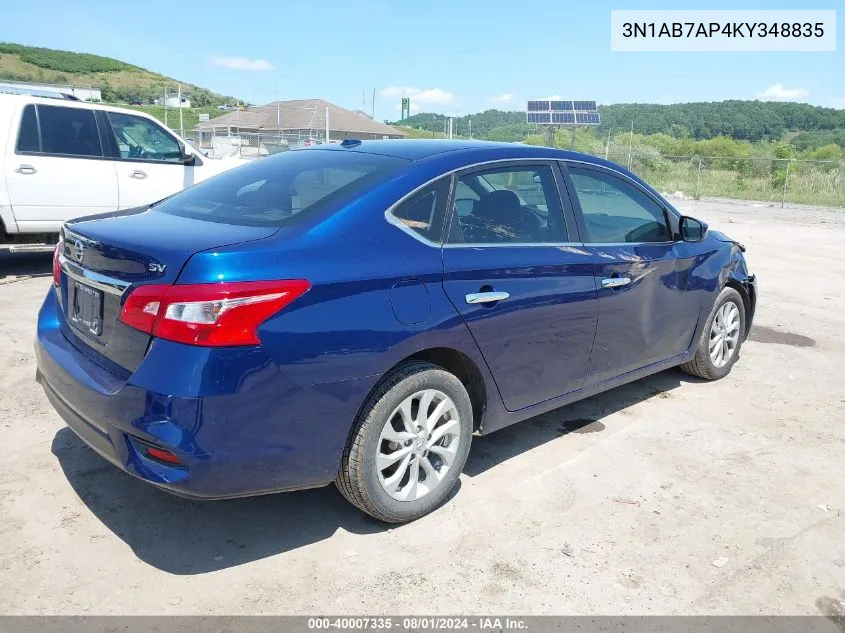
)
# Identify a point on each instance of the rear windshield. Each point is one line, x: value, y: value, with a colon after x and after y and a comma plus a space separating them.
x: 278, y: 190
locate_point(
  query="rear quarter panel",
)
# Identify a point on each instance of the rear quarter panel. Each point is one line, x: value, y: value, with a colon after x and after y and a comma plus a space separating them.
x: 346, y: 325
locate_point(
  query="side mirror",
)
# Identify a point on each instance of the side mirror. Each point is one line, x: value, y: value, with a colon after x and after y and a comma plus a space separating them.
x: 691, y: 230
x: 188, y: 155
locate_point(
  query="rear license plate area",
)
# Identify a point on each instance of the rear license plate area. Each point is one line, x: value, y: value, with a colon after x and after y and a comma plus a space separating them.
x: 86, y: 310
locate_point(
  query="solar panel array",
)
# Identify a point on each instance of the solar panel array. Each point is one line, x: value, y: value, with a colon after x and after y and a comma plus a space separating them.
x: 558, y: 112
x: 538, y: 106
x: 562, y: 118
x: 539, y: 117
x: 587, y: 118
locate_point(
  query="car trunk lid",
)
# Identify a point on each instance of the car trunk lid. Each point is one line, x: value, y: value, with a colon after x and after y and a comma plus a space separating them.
x: 105, y: 257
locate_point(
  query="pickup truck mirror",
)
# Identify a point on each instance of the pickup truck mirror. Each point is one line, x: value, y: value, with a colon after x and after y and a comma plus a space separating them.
x: 188, y: 154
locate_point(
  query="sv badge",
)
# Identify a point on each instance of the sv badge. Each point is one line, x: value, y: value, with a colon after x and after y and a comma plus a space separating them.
x: 156, y: 268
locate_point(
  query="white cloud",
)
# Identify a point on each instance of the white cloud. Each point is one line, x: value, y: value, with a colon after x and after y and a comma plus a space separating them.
x: 503, y: 98
x: 430, y: 96
x: 778, y: 93
x: 242, y: 63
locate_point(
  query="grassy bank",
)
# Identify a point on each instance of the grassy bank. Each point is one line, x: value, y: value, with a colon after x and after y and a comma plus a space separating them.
x: 190, y: 116
x: 807, y: 183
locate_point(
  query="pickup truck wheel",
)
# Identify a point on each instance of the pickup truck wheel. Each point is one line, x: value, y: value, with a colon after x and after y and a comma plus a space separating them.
x: 718, y: 347
x: 409, y: 445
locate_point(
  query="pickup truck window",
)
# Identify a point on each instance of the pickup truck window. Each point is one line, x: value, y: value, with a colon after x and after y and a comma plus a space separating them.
x: 68, y: 131
x: 140, y: 139
x: 28, y: 140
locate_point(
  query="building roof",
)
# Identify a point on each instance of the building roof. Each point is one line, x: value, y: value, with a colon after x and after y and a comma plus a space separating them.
x: 302, y: 114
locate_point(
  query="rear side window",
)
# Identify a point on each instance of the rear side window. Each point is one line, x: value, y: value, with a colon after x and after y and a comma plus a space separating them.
x: 424, y: 211
x: 284, y: 188
x: 71, y: 131
x: 28, y: 140
x: 517, y: 205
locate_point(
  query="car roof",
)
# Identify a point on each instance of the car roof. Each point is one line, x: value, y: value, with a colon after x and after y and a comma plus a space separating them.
x: 455, y: 154
x: 57, y: 99
x: 419, y: 149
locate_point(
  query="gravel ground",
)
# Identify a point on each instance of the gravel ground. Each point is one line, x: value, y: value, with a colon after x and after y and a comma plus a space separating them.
x: 665, y: 496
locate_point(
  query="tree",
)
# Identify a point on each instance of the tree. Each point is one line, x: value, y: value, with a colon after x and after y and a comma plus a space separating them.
x: 784, y: 152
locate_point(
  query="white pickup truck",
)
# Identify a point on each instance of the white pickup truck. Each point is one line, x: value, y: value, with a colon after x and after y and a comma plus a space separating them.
x: 61, y: 159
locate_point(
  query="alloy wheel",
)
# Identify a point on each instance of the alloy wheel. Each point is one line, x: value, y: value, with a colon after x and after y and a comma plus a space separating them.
x: 724, y: 334
x: 418, y: 445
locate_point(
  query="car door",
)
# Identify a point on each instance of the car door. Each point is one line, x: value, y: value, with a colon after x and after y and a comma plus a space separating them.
x: 149, y: 160
x: 523, y: 285
x: 56, y: 168
x: 646, y: 313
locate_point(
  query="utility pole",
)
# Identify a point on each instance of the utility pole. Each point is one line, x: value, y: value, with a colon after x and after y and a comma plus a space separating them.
x: 785, y: 181
x: 451, y: 120
x: 373, y: 105
x: 631, y: 146
x: 607, y: 144
x: 698, y: 180
x: 181, y: 123
x: 165, y: 105
x: 327, y: 124
x: 470, y: 128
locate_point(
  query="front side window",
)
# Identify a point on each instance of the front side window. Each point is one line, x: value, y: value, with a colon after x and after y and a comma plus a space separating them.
x: 278, y: 190
x: 142, y: 139
x: 68, y: 131
x: 423, y: 212
x: 518, y: 205
x: 615, y: 211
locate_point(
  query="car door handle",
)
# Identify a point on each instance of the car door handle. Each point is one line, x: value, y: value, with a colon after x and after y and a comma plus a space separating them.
x: 615, y: 282
x: 26, y: 169
x: 486, y: 297
x: 140, y: 175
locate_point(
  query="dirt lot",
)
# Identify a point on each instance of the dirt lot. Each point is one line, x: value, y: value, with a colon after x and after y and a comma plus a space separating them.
x: 628, y: 502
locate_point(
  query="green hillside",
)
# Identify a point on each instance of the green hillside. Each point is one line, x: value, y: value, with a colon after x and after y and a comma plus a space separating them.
x: 811, y: 126
x: 119, y: 82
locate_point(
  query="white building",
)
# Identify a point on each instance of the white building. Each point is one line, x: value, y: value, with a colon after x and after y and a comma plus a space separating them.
x: 173, y: 102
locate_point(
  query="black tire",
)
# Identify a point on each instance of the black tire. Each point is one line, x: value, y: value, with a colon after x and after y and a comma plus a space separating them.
x: 358, y: 479
x: 701, y: 365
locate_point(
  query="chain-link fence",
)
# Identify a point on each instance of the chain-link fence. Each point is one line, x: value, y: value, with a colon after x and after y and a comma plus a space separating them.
x: 773, y: 180
x: 765, y: 179
x: 219, y: 143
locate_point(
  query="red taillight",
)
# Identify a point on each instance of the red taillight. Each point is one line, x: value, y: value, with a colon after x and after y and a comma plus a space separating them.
x: 57, y: 269
x: 215, y: 315
x: 161, y: 455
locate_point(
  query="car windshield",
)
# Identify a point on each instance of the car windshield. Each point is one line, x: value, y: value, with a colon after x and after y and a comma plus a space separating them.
x: 278, y: 190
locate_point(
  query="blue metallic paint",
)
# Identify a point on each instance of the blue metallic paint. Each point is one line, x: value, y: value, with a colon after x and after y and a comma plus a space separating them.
x: 647, y: 321
x: 537, y: 343
x: 249, y: 420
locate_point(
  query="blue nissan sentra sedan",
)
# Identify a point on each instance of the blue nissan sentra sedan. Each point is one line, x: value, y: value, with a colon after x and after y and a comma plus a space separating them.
x: 355, y: 313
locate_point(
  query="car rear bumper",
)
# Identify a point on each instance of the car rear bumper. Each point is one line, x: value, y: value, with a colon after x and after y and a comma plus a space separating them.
x: 237, y: 424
